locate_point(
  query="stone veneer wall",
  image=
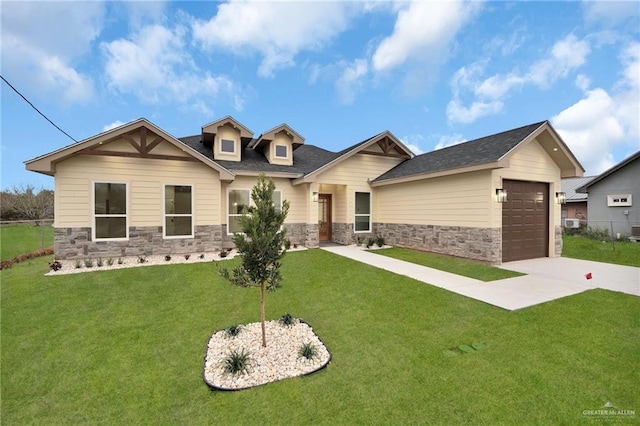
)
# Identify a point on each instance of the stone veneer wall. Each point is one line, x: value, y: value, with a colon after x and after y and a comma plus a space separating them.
x: 76, y: 243
x: 484, y: 244
x: 558, y: 243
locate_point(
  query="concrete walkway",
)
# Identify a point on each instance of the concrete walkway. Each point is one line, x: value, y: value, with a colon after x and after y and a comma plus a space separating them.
x: 548, y: 278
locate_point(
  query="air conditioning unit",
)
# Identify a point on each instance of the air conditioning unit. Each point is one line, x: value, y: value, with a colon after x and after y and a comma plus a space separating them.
x: 572, y: 223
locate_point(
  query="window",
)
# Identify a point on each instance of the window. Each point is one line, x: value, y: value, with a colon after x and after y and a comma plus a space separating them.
x: 228, y: 145
x: 178, y: 211
x: 622, y: 200
x: 110, y: 211
x: 277, y: 200
x: 363, y: 212
x: 281, y: 151
x: 238, y: 199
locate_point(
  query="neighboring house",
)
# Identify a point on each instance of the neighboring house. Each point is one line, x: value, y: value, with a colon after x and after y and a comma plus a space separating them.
x: 612, y: 195
x: 138, y: 190
x: 575, y: 208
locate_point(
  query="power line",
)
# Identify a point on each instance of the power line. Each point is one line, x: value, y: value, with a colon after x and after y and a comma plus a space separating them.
x: 37, y: 110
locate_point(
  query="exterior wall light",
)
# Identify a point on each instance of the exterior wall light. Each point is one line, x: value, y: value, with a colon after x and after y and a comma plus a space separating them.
x: 315, y: 197
x: 561, y: 198
x: 501, y: 195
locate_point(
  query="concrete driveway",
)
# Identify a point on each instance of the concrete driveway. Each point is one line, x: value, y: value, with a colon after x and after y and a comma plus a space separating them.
x: 547, y: 278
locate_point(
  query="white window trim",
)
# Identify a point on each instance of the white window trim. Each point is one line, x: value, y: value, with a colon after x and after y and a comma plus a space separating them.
x: 613, y: 200
x: 250, y: 204
x: 228, y: 152
x: 93, y: 211
x: 355, y: 215
x: 275, y: 151
x: 164, y: 212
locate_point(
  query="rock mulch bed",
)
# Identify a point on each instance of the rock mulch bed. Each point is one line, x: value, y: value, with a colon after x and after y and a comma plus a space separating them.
x: 281, y: 358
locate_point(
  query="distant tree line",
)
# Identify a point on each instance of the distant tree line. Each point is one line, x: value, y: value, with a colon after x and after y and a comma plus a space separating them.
x: 24, y: 202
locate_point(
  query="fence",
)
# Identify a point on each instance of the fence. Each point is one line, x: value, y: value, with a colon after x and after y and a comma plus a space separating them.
x: 21, y: 236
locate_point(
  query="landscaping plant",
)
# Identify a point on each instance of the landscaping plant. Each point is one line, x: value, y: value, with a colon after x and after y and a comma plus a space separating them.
x: 260, y: 244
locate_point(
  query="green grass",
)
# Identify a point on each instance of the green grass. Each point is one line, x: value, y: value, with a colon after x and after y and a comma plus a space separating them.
x: 578, y: 247
x: 23, y: 238
x: 456, y: 265
x: 127, y: 347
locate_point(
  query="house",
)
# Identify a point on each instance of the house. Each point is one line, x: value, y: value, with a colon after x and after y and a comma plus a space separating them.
x: 575, y: 207
x: 138, y: 190
x: 611, y: 197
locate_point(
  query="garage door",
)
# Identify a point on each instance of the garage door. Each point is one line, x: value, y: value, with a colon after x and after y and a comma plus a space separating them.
x: 525, y: 220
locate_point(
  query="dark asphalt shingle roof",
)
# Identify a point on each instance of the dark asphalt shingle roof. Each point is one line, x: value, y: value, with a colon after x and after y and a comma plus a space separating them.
x: 484, y: 150
x: 306, y: 158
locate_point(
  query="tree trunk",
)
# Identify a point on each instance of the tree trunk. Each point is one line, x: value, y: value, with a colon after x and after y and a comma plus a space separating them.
x: 262, y: 315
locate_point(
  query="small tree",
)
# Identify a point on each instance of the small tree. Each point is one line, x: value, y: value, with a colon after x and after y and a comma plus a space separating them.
x: 261, y: 244
x: 23, y: 202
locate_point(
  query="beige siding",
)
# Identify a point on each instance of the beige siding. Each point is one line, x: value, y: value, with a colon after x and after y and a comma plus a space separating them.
x: 281, y: 138
x: 458, y: 200
x: 227, y: 132
x: 357, y: 169
x: 145, y: 178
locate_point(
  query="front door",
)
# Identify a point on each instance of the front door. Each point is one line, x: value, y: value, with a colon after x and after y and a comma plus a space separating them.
x: 324, y: 217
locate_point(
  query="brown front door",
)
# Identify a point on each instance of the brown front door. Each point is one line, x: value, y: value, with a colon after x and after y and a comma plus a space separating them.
x: 324, y: 217
x: 525, y: 220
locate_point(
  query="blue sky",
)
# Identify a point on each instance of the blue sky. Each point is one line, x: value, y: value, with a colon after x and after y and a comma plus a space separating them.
x: 433, y: 73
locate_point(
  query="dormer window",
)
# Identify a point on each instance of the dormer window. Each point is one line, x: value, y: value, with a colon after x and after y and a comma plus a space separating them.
x: 281, y: 151
x: 228, y: 146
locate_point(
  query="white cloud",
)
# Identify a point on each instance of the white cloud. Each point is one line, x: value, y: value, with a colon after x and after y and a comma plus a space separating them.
x: 583, y: 82
x: 277, y: 31
x: 350, y: 82
x: 486, y: 96
x: 42, y: 41
x: 413, y: 142
x: 449, y: 140
x: 601, y: 120
x: 610, y: 13
x: 154, y: 65
x: 113, y: 125
x: 422, y: 30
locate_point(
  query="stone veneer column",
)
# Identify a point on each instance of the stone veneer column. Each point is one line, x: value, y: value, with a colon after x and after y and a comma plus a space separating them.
x: 558, y: 242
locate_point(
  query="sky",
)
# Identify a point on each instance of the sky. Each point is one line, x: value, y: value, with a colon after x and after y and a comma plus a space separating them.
x: 432, y: 73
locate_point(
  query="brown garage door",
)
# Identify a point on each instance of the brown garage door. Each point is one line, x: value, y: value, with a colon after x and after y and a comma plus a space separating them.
x: 525, y: 220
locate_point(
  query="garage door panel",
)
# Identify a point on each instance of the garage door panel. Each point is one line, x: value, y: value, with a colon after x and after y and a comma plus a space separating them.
x: 525, y: 220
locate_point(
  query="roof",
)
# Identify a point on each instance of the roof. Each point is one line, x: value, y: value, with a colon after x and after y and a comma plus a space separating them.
x: 569, y: 186
x: 606, y: 173
x: 484, y: 153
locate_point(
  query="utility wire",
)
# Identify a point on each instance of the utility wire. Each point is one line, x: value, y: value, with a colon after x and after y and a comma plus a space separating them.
x: 39, y: 112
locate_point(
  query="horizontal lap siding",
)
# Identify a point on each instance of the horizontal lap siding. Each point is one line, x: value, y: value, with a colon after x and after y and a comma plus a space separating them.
x: 459, y: 200
x: 145, y: 178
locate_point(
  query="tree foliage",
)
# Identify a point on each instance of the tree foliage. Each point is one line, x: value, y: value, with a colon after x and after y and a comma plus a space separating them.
x: 260, y: 244
x: 24, y: 203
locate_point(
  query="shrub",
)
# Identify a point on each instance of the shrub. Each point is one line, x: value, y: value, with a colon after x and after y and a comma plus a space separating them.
x: 55, y: 266
x: 88, y: 263
x: 78, y: 264
x: 201, y: 256
x: 287, y: 320
x: 110, y: 261
x: 380, y: 240
x: 187, y: 256
x: 599, y: 234
x: 233, y: 331
x: 370, y: 241
x: 308, y: 351
x: 100, y: 262
x: 287, y: 244
x: 142, y: 259
x: 120, y: 261
x: 223, y: 253
x: 238, y: 361
x: 167, y: 258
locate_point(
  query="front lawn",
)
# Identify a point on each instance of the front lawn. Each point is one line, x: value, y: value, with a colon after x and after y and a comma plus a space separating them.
x: 455, y: 265
x: 23, y: 238
x: 127, y: 347
x: 578, y: 247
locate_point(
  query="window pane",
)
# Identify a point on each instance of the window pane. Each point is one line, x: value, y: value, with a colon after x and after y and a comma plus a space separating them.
x: 281, y: 151
x: 362, y: 223
x: 277, y: 200
x: 177, y: 225
x: 362, y: 203
x: 110, y: 198
x: 238, y: 199
x: 111, y: 227
x: 234, y: 225
x: 177, y: 199
x: 227, y: 145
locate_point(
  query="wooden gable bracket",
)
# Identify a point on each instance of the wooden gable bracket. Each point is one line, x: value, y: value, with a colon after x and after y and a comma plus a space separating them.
x: 389, y: 149
x: 143, y: 149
